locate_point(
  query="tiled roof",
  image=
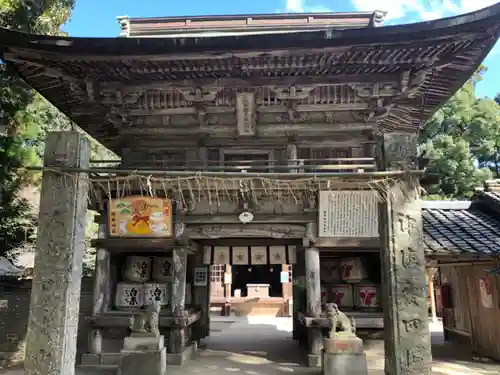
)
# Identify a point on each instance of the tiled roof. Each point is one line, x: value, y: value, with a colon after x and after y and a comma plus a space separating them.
x: 459, y: 228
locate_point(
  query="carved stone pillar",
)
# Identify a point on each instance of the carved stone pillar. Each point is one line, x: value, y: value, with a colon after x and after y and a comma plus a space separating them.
x: 55, y: 294
x: 406, y: 322
x: 313, y: 296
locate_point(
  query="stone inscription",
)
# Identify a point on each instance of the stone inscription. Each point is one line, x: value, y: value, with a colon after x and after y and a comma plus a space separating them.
x: 405, y: 262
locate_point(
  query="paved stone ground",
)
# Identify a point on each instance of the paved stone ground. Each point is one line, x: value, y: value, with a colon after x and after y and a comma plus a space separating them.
x: 263, y: 346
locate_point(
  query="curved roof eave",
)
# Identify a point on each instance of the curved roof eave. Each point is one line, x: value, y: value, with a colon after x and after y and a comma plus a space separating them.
x: 480, y: 21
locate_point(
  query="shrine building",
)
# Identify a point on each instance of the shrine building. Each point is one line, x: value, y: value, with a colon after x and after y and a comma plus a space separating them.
x: 268, y: 164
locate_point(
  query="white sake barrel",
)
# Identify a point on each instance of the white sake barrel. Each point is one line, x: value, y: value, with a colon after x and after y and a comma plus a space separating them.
x: 366, y: 296
x: 352, y: 270
x: 137, y: 269
x: 162, y: 269
x: 129, y: 296
x: 330, y: 270
x: 154, y: 291
x: 341, y: 294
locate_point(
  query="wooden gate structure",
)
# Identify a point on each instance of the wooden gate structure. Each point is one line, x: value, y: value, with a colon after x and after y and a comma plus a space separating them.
x: 172, y: 106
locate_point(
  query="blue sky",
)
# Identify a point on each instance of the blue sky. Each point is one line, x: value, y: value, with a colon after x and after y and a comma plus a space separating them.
x: 97, y: 18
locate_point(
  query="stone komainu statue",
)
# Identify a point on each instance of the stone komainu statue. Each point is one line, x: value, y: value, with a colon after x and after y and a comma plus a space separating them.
x: 340, y: 322
x: 147, y: 321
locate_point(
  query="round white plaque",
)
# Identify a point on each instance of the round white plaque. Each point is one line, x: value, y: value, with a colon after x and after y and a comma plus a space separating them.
x: 246, y: 217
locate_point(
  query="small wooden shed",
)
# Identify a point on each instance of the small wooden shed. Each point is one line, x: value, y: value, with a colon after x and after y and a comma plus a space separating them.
x: 463, y: 241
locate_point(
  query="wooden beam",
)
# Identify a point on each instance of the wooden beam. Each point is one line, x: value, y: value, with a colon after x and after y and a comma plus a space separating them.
x: 279, y: 81
x: 267, y: 130
x: 261, y: 109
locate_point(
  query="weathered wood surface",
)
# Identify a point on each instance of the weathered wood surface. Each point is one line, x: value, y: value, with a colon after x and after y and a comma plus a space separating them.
x: 202, y: 300
x: 313, y: 296
x: 407, y: 343
x: 117, y: 319
x: 55, y: 294
x: 177, y: 339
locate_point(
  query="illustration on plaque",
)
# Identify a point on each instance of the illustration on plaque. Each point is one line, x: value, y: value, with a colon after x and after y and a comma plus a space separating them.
x: 140, y: 217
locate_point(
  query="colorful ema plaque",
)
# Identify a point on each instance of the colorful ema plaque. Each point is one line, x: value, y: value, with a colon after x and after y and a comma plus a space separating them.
x: 139, y: 216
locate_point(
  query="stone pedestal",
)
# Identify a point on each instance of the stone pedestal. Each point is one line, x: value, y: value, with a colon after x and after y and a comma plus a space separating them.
x: 143, y: 355
x: 344, y: 356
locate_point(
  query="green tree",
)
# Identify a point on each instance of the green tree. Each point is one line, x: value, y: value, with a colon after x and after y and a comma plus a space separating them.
x: 452, y: 160
x: 19, y: 120
x: 462, y: 142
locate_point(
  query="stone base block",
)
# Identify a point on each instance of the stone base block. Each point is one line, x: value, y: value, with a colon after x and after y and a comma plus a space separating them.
x: 105, y: 359
x: 344, y: 364
x: 143, y: 362
x: 146, y: 343
x: 343, y: 344
x: 313, y: 360
x: 178, y: 359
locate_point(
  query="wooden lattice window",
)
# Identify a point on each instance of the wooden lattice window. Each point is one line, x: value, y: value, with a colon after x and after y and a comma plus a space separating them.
x: 217, y: 273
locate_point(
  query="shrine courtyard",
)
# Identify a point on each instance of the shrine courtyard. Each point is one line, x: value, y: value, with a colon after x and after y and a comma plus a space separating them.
x: 252, y: 347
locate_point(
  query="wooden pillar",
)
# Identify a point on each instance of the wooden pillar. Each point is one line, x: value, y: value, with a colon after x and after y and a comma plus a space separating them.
x: 299, y: 303
x: 201, y: 298
x: 291, y: 154
x: 55, y: 294
x: 313, y: 298
x: 406, y: 321
x: 432, y: 294
x: 102, y: 288
x: 178, y: 298
x: 228, y: 276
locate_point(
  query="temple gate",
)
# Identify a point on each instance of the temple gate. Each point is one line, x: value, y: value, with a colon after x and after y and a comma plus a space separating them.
x: 256, y: 138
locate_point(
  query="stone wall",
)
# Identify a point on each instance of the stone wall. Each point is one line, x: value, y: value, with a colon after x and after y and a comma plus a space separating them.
x: 14, y: 310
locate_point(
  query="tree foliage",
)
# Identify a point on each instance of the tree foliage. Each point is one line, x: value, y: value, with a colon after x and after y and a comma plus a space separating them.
x: 25, y: 119
x: 462, y: 142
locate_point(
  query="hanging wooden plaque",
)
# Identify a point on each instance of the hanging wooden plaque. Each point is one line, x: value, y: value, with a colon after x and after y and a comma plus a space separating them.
x: 138, y: 216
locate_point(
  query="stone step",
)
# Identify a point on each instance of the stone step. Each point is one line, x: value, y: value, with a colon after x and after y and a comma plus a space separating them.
x: 105, y: 359
x: 104, y: 369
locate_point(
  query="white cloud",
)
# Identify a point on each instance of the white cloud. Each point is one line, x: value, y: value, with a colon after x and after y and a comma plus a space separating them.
x: 424, y: 10
x: 302, y: 6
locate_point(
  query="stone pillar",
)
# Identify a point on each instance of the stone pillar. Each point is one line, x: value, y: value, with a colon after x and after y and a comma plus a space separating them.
x: 406, y: 322
x: 177, y: 302
x: 55, y: 294
x: 313, y: 297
